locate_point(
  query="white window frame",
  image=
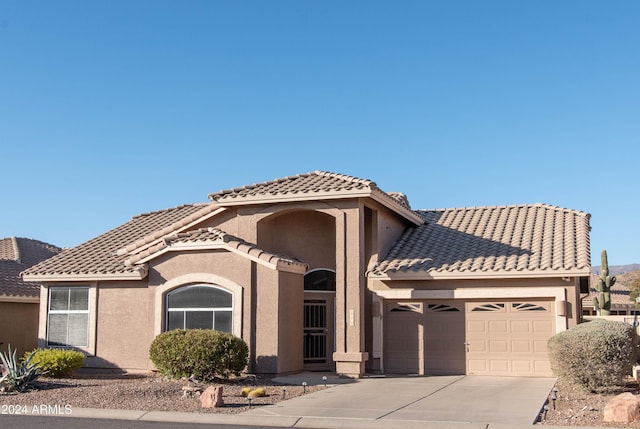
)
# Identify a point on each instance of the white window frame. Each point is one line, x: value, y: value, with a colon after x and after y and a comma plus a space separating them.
x: 159, y: 312
x: 184, y: 310
x: 69, y: 312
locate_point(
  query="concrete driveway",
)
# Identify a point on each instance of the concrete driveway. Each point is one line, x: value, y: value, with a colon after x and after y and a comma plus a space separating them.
x: 436, y: 401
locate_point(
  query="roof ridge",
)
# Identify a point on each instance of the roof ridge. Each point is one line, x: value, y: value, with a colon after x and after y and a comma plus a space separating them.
x: 256, y: 184
x: 168, y: 209
x: 538, y: 204
x: 346, y: 177
x: 16, y: 249
x: 205, y: 209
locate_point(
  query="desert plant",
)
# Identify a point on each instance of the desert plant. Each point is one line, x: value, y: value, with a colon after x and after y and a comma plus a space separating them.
x: 257, y: 393
x: 199, y: 353
x: 18, y: 375
x: 245, y: 391
x: 602, y: 300
x: 596, y: 355
x: 58, y: 362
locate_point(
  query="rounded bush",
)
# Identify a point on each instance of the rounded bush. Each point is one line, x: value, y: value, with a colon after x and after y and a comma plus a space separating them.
x: 57, y: 363
x: 199, y: 353
x: 596, y: 355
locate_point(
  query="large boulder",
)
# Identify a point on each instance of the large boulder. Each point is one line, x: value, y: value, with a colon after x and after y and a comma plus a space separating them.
x: 624, y: 408
x: 212, y: 397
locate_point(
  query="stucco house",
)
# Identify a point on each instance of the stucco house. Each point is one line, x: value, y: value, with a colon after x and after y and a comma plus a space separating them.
x: 19, y: 300
x: 324, y: 271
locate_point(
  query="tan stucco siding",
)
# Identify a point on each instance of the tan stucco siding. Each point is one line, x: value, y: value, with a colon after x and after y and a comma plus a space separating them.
x: 290, y: 319
x: 19, y: 326
x: 389, y: 229
x: 306, y: 235
x: 124, y: 326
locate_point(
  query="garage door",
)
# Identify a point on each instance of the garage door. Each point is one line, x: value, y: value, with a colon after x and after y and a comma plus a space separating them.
x: 403, y: 345
x: 424, y: 337
x: 509, y: 337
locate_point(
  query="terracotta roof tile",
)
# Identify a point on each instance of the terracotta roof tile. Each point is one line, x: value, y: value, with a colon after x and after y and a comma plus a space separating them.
x: 315, y: 185
x: 17, y: 254
x: 214, y: 236
x: 520, y: 238
x: 98, y: 256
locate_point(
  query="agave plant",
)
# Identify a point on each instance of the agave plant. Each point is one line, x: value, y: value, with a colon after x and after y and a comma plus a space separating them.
x: 18, y: 376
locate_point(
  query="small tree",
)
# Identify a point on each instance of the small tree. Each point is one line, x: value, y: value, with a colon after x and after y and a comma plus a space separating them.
x: 602, y: 301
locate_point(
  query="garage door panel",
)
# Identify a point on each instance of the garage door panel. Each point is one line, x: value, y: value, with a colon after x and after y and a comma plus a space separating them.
x: 510, y: 337
x: 542, y: 326
x: 521, y: 326
x: 476, y: 326
x: 520, y: 346
x: 498, y: 346
x: 497, y: 326
x: 540, y: 346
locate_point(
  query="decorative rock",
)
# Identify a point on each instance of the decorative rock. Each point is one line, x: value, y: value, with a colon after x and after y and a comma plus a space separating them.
x: 212, y: 397
x: 190, y: 391
x: 623, y: 408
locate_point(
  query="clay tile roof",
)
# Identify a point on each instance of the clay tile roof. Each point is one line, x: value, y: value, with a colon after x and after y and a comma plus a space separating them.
x: 17, y: 254
x: 527, y: 239
x: 98, y: 256
x: 214, y: 237
x: 315, y: 185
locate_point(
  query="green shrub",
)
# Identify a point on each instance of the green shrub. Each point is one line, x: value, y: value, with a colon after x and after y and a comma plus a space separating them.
x: 58, y: 362
x: 199, y: 353
x: 596, y: 355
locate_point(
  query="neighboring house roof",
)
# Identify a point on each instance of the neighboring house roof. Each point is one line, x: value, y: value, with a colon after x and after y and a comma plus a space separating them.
x: 98, y: 257
x: 317, y: 185
x: 515, y: 241
x: 17, y: 254
x: 213, y: 238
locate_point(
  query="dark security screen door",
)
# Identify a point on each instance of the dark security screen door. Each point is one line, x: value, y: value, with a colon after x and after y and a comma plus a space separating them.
x: 315, y: 331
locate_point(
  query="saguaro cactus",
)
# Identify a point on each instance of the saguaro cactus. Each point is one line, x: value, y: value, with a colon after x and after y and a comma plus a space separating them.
x: 602, y: 300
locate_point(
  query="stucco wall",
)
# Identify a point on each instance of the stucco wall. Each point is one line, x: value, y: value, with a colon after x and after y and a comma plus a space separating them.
x: 19, y: 326
x: 124, y: 326
x: 306, y: 235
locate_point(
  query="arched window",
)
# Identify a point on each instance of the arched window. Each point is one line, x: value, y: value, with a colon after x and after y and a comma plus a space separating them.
x: 200, y: 307
x: 320, y: 280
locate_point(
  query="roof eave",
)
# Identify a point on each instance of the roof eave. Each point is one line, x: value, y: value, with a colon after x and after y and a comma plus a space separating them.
x: 277, y: 264
x: 434, y: 275
x: 374, y: 194
x: 139, y: 274
x: 20, y: 299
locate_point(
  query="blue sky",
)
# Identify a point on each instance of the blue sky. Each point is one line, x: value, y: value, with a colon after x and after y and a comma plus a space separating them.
x: 110, y: 109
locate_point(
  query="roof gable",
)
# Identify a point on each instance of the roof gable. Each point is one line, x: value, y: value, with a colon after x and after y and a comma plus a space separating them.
x: 317, y: 185
x: 16, y: 254
x: 213, y: 238
x: 520, y: 240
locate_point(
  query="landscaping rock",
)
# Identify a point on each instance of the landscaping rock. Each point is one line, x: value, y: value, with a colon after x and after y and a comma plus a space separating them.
x: 624, y: 408
x: 212, y: 397
x: 190, y: 391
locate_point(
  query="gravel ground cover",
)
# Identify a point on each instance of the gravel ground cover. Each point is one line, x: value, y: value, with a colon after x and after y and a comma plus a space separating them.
x: 576, y: 407
x: 142, y: 392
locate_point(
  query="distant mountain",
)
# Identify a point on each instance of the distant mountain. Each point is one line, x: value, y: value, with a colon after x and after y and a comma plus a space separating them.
x: 615, y: 270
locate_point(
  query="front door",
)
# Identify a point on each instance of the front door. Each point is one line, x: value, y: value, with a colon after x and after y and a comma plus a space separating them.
x: 318, y: 340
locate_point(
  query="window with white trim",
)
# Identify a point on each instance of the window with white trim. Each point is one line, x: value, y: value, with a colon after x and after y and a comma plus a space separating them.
x: 68, y: 317
x: 200, y: 307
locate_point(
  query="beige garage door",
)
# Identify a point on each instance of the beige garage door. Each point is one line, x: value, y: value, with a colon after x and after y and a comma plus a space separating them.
x: 424, y: 337
x: 509, y: 337
x: 403, y: 338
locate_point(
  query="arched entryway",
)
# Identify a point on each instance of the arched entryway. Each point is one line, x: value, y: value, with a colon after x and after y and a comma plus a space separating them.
x: 319, y: 319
